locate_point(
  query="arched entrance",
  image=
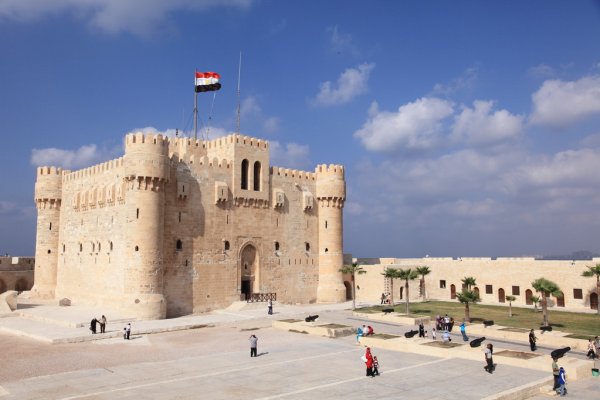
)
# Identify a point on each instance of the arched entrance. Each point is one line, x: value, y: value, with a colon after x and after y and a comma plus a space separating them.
x: 2, y: 286
x: 348, y: 286
x: 528, y: 295
x: 476, y: 290
x: 401, y: 292
x: 560, y: 300
x: 594, y: 301
x: 249, y: 272
x: 501, y: 297
x: 21, y: 285
x: 452, y: 292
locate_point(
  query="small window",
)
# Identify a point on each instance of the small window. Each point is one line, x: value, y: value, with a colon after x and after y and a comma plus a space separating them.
x: 442, y: 284
x: 99, y: 246
x: 307, y: 246
x: 325, y: 224
x: 489, y: 289
x: 226, y: 245
x: 111, y: 246
x: 64, y: 247
x: 80, y: 247
x: 516, y: 291
x: 276, y: 246
x: 50, y: 225
x: 137, y: 248
x: 49, y: 251
x: 137, y: 213
x: 93, y: 247
x: 326, y: 250
x: 577, y: 294
x: 179, y: 245
x: 179, y: 216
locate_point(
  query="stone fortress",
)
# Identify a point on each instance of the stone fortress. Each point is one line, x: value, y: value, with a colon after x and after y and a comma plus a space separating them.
x: 178, y: 226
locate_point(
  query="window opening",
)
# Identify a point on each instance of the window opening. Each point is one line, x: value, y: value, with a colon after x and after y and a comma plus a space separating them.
x: 307, y: 246
x: 276, y: 246
x: 257, y: 170
x: 137, y: 248
x: 245, y: 174
x: 137, y: 213
x: 226, y: 245
x: 179, y: 245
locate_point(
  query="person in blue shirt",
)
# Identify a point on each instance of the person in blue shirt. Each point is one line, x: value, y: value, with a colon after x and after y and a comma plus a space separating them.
x: 562, y: 381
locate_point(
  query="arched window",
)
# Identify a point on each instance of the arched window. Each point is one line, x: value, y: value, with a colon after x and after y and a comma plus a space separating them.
x: 99, y: 246
x: 80, y: 247
x: 276, y: 246
x: 226, y: 245
x: 137, y: 213
x: 137, y: 248
x: 257, y: 170
x: 111, y: 246
x: 245, y: 174
x: 307, y: 246
x: 179, y: 245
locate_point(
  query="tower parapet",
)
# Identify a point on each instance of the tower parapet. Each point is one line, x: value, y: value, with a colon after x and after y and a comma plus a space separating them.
x: 48, y: 198
x: 331, y: 194
x: 147, y: 169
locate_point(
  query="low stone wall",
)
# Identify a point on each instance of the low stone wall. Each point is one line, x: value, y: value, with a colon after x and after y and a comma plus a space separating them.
x: 577, y: 369
x: 394, y: 317
x: 313, y: 328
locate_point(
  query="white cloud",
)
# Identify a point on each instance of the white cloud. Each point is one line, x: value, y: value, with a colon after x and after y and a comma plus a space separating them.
x: 415, y: 125
x: 559, y: 104
x: 140, y: 17
x: 542, y: 71
x: 250, y: 107
x: 351, y: 83
x: 464, y: 82
x: 292, y: 155
x: 69, y: 159
x: 271, y: 125
x: 341, y: 42
x: 251, y: 110
x: 479, y: 125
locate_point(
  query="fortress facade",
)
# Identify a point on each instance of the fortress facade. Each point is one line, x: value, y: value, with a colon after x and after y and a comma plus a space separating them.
x: 179, y: 226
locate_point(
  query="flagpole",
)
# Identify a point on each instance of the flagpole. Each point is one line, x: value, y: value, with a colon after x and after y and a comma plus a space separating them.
x: 195, y: 108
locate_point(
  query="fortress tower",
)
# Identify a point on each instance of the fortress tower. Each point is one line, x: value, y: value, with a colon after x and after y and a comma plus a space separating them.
x: 48, y: 196
x: 146, y: 173
x: 331, y: 193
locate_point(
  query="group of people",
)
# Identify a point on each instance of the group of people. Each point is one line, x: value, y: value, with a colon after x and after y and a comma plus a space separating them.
x: 363, y: 331
x: 560, y: 378
x: 594, y: 348
x: 386, y: 298
x: 95, y: 321
x: 444, y: 323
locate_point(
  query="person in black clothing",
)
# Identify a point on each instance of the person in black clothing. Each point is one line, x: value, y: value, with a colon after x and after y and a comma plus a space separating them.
x: 532, y: 340
x: 93, y: 325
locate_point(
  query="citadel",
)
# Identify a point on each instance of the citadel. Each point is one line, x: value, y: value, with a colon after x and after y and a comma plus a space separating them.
x: 180, y: 226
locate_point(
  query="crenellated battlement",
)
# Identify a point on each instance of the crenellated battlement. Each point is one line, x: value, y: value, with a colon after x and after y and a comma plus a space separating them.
x: 292, y: 173
x: 50, y: 171
x: 331, y: 169
x: 137, y: 139
x: 69, y: 176
x: 214, y: 162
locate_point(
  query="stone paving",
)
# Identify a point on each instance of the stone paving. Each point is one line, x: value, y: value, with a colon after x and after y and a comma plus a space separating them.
x: 213, y: 362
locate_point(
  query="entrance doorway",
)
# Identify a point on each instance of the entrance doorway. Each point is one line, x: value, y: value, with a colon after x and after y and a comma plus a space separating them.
x: 249, y: 272
x: 501, y: 297
x: 594, y: 301
x: 452, y: 292
x: 528, y: 296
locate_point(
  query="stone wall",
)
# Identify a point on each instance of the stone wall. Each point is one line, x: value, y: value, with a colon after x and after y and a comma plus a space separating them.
x: 16, y: 273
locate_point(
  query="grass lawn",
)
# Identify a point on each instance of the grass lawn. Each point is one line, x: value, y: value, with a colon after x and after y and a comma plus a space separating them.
x: 583, y: 325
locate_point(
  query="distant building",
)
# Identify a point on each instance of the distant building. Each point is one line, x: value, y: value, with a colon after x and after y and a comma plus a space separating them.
x: 16, y: 273
x: 496, y: 279
x: 178, y: 226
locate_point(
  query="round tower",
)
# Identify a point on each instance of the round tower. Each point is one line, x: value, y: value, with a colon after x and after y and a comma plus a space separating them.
x: 48, y: 196
x: 146, y: 173
x: 331, y: 193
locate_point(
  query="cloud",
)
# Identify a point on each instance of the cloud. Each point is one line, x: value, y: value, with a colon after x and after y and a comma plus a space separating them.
x: 292, y: 155
x: 69, y: 159
x: 542, y: 71
x: 251, y: 110
x: 271, y: 125
x: 351, y: 83
x: 341, y: 42
x: 464, y: 82
x: 415, y: 126
x: 140, y: 17
x: 478, y: 125
x: 560, y: 104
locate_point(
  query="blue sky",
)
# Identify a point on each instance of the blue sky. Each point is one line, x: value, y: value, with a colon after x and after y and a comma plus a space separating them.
x: 467, y: 128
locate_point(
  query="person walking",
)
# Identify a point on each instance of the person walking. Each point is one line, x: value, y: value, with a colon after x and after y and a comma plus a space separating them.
x: 421, y: 329
x: 103, y: 324
x: 562, y: 381
x: 253, y: 345
x: 489, y: 351
x: 359, y: 334
x: 463, y: 331
x: 93, y: 325
x: 555, y: 373
x: 270, y: 305
x: 591, y: 354
x: 128, y: 331
x: 375, y: 366
x: 369, y: 362
x: 433, y: 333
x: 532, y: 340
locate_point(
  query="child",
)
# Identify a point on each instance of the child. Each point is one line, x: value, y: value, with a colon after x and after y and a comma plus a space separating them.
x: 359, y: 334
x: 375, y: 366
x: 433, y: 333
x: 426, y: 335
x: 562, y: 381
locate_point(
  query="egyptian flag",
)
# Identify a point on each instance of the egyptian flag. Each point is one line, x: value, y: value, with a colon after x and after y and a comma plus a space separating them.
x: 207, y: 81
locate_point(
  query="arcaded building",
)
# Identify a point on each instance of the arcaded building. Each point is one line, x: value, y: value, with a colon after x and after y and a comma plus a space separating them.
x: 180, y: 226
x: 16, y: 273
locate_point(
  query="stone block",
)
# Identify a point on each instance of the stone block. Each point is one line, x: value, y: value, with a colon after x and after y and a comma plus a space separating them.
x: 64, y: 302
x: 8, y: 301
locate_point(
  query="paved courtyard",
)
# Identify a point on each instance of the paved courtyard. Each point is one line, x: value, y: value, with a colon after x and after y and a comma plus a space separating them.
x: 214, y: 363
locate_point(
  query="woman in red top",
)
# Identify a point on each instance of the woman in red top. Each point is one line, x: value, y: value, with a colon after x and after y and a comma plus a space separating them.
x: 369, y: 362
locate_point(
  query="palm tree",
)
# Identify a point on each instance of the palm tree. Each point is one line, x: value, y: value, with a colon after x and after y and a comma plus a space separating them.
x: 546, y: 288
x: 591, y: 272
x: 468, y: 282
x: 510, y: 300
x: 468, y: 296
x: 535, y: 300
x: 424, y: 270
x: 353, y: 270
x: 408, y: 275
x: 391, y: 274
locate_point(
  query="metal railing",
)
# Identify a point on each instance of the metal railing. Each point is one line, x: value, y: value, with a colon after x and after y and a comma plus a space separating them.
x: 257, y: 297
